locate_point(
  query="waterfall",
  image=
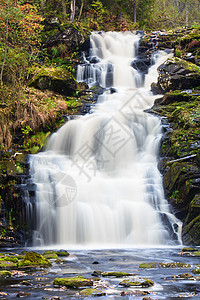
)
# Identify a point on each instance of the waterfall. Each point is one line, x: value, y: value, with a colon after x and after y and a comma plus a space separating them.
x: 97, y: 182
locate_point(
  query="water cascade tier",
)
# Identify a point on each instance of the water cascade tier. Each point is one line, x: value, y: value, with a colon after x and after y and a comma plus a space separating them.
x: 97, y: 182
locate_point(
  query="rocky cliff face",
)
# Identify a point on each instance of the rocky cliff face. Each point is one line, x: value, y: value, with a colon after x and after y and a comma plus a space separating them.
x: 179, y: 109
x: 180, y: 112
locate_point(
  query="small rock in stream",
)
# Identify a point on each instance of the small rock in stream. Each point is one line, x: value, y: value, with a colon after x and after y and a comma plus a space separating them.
x: 23, y: 294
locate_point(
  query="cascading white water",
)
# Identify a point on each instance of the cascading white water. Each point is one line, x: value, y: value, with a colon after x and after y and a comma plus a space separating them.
x: 98, y: 182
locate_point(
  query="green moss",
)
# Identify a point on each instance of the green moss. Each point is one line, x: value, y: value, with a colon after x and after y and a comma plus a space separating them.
x: 33, y: 259
x: 188, y: 249
x: 197, y: 270
x: 9, y: 258
x: 129, y: 282
x: 115, y: 274
x: 148, y: 265
x: 55, y: 73
x: 73, y: 102
x: 62, y: 253
x: 174, y: 265
x: 185, y: 64
x: 73, y: 282
x: 56, y: 79
x: 92, y: 292
x: 50, y: 256
x: 36, y: 142
x: 196, y: 253
x: 192, y: 231
x: 4, y: 274
x: 143, y: 282
x: 4, y: 264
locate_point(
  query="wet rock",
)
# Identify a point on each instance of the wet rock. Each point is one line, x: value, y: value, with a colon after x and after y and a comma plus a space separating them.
x: 188, y: 249
x: 70, y: 37
x: 73, y: 282
x: 4, y: 274
x: 23, y: 294
x: 115, y: 274
x: 177, y: 74
x: 139, y: 282
x: 92, y: 292
x: 191, y: 232
x: 163, y: 265
x: 148, y: 265
x: 7, y: 262
x: 185, y: 276
x: 33, y: 259
x: 174, y: 265
x: 62, y: 253
x: 196, y: 253
x: 26, y: 282
x: 17, y: 273
x: 97, y: 273
x: 137, y: 293
x: 197, y: 270
x: 51, y: 298
x: 51, y: 256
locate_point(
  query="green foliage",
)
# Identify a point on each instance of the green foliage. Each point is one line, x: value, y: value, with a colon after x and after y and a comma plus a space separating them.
x: 19, y: 37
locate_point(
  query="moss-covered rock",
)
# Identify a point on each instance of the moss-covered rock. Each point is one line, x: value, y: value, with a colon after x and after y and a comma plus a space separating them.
x: 92, y: 292
x: 50, y: 256
x: 56, y: 79
x: 185, y: 276
x: 73, y: 282
x: 148, y: 265
x: 191, y: 232
x: 33, y: 259
x: 177, y: 74
x: 181, y: 165
x: 174, y: 265
x: 115, y: 274
x: 197, y: 270
x: 189, y: 249
x: 8, y: 262
x: 4, y: 274
x: 138, y: 282
x: 62, y: 253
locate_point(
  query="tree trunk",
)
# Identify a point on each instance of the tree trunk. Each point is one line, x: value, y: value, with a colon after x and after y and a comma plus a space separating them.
x: 81, y: 9
x: 186, y: 14
x: 73, y: 2
x: 134, y: 12
x: 5, y: 54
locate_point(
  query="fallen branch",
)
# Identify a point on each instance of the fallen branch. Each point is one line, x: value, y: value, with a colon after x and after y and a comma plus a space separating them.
x: 182, y: 158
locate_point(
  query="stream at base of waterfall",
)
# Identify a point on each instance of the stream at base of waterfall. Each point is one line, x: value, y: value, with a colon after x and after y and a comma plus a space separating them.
x: 97, y: 183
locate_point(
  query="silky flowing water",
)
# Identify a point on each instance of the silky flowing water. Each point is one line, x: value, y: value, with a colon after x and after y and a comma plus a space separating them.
x: 98, y: 187
x: 85, y: 262
x: 97, y: 183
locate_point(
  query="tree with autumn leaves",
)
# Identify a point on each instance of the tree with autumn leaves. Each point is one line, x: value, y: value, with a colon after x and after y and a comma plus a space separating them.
x: 20, y: 28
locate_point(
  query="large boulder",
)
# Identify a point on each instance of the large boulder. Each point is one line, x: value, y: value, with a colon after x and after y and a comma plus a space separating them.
x: 177, y: 74
x: 58, y: 80
x: 71, y: 37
